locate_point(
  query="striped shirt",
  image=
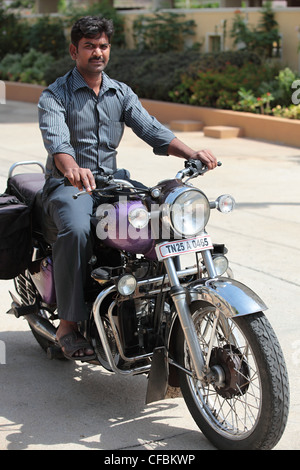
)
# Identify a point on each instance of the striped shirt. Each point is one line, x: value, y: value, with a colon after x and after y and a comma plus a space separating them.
x: 74, y: 120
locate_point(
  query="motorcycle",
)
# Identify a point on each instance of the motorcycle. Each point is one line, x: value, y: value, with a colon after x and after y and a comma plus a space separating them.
x: 195, y: 328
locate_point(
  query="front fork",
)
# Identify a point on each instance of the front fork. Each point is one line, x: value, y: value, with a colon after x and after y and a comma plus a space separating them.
x: 179, y: 297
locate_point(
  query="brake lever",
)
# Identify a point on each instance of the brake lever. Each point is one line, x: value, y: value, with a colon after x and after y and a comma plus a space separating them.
x: 103, y: 185
x: 100, y: 191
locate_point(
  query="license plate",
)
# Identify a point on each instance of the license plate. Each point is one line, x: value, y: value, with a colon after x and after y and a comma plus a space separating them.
x: 182, y: 247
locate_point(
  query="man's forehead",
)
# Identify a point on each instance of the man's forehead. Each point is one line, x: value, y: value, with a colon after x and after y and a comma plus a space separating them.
x: 95, y: 39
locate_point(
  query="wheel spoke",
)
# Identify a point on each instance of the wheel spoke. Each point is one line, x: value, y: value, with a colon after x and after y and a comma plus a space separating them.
x: 232, y: 410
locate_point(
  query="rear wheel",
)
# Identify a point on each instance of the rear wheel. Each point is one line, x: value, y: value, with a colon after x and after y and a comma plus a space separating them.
x: 245, y: 406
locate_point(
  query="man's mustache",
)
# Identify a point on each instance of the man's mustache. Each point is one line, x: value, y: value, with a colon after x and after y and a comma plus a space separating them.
x: 96, y: 58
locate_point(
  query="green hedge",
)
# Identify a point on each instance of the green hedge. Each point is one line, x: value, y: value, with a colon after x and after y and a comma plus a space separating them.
x: 154, y: 75
x: 46, y: 35
x: 228, y: 80
x: 27, y: 68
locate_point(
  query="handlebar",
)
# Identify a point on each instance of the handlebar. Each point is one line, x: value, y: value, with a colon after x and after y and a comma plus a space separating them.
x: 106, y: 183
x: 193, y: 168
x: 101, y: 180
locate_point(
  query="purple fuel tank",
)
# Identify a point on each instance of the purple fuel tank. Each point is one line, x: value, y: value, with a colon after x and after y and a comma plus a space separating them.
x: 116, y: 231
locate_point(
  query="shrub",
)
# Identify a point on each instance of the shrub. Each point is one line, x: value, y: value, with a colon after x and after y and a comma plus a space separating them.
x: 10, y: 67
x: 13, y: 33
x: 47, y: 35
x: 280, y: 87
x: 261, y: 39
x: 249, y: 102
x: 153, y: 75
x: 162, y: 32
x: 18, y: 36
x: 28, y: 68
x: 150, y: 75
x: 290, y: 112
x: 219, y: 87
x: 58, y: 68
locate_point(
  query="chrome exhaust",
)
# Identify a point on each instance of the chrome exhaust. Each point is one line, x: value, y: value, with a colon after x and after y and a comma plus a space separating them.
x: 41, y: 325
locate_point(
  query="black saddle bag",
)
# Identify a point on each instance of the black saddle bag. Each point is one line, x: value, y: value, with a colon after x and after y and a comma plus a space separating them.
x: 15, y: 236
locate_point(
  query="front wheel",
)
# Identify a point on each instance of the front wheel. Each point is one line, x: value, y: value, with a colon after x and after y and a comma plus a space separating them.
x: 247, y: 407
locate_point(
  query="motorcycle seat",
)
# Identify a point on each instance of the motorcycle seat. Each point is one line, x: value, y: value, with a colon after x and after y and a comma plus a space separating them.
x: 27, y: 187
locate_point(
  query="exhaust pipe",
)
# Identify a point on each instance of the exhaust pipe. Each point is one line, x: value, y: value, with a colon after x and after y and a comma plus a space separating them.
x: 42, y: 326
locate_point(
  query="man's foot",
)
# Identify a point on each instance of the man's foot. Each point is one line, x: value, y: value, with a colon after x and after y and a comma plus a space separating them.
x: 74, y: 346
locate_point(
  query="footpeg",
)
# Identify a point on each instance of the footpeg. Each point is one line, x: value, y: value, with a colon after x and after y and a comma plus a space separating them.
x: 21, y: 310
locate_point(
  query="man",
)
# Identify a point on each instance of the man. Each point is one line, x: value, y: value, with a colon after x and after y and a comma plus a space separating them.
x: 82, y: 117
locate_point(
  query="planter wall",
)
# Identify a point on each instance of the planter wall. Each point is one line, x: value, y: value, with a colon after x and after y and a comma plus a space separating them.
x: 255, y: 126
x: 23, y: 92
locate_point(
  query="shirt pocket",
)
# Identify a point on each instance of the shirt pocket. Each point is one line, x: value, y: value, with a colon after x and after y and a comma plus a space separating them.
x: 114, y: 131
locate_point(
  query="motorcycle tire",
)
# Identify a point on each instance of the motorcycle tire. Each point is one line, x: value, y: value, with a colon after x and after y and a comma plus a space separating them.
x: 249, y: 409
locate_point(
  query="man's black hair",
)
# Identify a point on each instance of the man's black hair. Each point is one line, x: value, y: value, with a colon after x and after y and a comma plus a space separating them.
x: 91, y: 26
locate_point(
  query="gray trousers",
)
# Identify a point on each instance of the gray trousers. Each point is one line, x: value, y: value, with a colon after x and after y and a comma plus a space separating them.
x: 67, y: 226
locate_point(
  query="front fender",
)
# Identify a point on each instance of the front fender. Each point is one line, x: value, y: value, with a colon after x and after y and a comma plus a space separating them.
x: 231, y: 297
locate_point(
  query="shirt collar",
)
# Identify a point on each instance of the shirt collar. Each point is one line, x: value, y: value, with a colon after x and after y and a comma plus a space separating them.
x: 107, y: 83
x: 79, y: 82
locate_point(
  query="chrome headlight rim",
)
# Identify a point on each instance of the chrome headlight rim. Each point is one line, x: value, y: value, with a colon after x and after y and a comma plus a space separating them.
x: 173, y: 198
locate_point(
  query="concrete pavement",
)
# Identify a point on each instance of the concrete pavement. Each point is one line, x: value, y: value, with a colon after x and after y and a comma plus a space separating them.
x: 53, y: 405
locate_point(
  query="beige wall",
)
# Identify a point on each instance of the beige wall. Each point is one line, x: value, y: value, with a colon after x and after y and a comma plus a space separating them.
x: 210, y: 21
x: 254, y: 126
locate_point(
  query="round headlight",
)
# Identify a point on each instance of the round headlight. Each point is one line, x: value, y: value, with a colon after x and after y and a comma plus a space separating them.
x: 126, y: 284
x: 221, y: 264
x: 188, y: 211
x: 225, y: 203
x: 138, y: 217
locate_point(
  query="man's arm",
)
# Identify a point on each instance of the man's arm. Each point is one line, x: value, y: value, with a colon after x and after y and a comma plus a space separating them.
x: 56, y: 136
x: 156, y: 135
x: 180, y: 149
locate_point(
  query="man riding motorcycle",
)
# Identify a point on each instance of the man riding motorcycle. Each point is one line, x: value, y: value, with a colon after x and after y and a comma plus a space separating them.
x: 82, y: 117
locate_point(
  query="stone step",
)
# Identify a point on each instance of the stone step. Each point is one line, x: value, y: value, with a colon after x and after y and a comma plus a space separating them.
x: 222, y: 132
x: 186, y: 125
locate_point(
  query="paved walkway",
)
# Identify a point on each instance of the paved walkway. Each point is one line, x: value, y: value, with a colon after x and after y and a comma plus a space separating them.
x: 57, y: 405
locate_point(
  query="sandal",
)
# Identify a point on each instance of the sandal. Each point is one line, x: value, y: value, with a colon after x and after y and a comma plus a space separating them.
x: 73, y: 342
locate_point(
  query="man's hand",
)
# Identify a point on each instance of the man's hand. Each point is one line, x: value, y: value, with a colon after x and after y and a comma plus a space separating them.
x: 206, y: 157
x: 180, y: 149
x: 81, y: 178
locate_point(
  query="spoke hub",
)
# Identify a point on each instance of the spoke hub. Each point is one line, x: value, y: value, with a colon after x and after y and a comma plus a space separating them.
x: 234, y: 378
